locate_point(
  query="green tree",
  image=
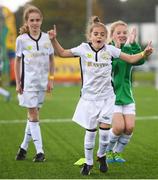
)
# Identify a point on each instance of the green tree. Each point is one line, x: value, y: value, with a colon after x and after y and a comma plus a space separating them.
x: 69, y: 17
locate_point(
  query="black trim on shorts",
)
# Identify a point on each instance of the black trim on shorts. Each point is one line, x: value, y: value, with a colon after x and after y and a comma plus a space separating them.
x: 104, y: 128
x: 91, y: 130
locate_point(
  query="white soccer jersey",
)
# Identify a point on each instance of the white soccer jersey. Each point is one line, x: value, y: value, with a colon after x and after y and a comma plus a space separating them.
x: 96, y: 70
x: 35, y: 60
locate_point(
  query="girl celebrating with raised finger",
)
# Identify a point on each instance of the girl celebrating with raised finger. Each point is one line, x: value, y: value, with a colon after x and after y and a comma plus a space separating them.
x: 96, y: 105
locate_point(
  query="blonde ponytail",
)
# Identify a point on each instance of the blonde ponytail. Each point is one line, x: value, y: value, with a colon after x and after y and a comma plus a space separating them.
x: 24, y: 29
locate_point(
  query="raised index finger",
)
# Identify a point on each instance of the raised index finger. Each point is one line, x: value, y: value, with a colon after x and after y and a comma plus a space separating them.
x: 54, y: 27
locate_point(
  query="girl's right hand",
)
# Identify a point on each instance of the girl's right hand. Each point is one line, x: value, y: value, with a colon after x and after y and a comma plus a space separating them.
x: 19, y: 89
x: 52, y: 33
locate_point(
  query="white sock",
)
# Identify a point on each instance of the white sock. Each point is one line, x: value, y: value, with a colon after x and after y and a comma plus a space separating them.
x: 103, y: 142
x: 89, y: 142
x: 112, y: 141
x: 36, y: 136
x: 4, y: 92
x: 122, y: 142
x: 27, y: 137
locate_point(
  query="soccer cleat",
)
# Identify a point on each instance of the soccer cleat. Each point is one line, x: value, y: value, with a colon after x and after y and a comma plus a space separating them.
x: 110, y: 157
x: 102, y: 164
x: 21, y: 155
x: 40, y: 157
x: 86, y: 169
x: 118, y: 157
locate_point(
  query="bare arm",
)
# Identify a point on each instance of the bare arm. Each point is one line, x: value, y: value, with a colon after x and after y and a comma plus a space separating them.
x: 58, y: 48
x: 17, y: 75
x: 136, y: 57
x: 51, y: 66
x: 131, y: 58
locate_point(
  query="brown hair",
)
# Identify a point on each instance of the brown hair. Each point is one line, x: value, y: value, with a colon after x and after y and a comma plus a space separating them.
x: 94, y: 22
x: 28, y: 9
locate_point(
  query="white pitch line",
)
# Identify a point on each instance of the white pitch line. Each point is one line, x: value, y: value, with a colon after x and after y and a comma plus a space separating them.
x: 147, y: 117
x: 41, y: 121
x: 60, y: 120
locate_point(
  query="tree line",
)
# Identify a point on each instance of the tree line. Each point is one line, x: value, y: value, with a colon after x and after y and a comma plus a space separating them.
x: 70, y: 15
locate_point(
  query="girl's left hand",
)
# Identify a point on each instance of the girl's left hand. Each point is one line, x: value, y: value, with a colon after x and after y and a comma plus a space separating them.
x: 50, y: 85
x: 148, y: 50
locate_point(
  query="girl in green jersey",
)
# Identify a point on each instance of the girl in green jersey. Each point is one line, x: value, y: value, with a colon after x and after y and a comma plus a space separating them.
x: 124, y: 113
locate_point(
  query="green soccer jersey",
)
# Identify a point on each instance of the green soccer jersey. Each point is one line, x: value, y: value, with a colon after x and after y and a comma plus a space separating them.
x: 122, y: 75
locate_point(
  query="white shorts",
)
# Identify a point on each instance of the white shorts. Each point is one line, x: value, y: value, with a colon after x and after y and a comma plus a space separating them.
x: 31, y: 99
x: 89, y: 113
x: 125, y: 109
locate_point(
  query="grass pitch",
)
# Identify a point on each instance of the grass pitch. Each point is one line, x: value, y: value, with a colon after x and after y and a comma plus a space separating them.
x: 63, y: 139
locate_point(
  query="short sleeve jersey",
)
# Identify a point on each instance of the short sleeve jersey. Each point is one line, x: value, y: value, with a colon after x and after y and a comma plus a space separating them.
x: 35, y: 55
x: 96, y: 70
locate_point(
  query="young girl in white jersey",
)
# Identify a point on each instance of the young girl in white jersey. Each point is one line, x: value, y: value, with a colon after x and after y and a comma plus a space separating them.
x: 96, y: 105
x: 34, y: 69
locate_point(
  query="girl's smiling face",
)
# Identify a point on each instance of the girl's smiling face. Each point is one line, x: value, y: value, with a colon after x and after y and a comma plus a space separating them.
x: 120, y: 34
x: 34, y: 22
x: 98, y: 37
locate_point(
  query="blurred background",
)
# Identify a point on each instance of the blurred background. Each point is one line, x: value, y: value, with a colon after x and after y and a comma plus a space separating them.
x: 71, y: 18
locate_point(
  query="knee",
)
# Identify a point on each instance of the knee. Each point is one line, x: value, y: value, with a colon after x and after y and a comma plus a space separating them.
x: 33, y: 114
x: 118, y: 130
x: 129, y: 130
